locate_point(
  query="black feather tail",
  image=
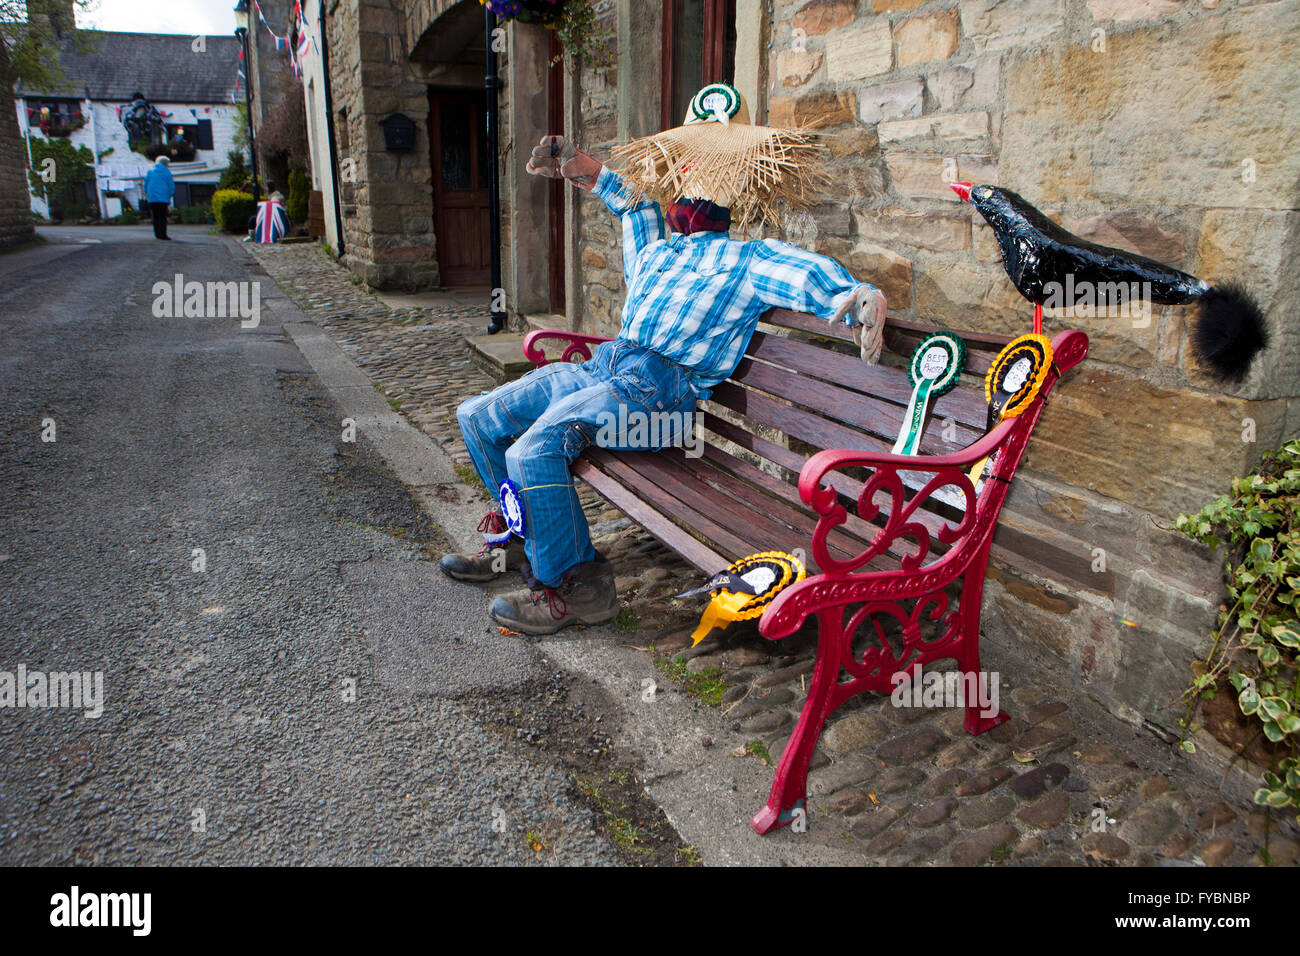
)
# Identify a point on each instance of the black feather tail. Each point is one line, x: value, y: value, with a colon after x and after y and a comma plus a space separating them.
x: 1229, y: 331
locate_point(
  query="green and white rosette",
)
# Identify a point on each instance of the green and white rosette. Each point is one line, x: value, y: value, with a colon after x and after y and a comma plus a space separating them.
x: 936, y: 368
x: 716, y: 102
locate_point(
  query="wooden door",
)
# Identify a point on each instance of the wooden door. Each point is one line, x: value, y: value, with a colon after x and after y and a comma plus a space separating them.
x: 458, y: 154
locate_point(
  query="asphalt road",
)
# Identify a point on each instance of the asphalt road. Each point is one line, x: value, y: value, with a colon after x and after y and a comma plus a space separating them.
x: 258, y: 710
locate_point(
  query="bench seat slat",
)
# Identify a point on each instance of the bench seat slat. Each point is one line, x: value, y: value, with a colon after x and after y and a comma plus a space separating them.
x: 613, y: 490
x: 851, y: 488
x: 739, y: 470
x: 750, y: 520
x: 782, y: 501
x: 719, y: 535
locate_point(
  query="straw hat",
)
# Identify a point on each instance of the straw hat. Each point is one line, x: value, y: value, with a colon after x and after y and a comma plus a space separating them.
x: 757, y: 172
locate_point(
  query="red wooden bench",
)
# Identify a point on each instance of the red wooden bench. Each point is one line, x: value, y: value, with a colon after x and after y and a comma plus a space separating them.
x: 895, y: 571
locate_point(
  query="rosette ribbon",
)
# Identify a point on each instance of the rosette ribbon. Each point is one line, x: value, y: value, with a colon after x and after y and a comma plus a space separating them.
x: 1013, y: 382
x: 512, y: 511
x: 745, y: 589
x: 935, y: 369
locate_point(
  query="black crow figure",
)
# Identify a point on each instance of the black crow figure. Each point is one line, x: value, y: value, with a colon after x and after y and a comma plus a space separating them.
x: 1042, y: 259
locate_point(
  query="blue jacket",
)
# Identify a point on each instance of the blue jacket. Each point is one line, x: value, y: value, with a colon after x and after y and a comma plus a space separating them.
x: 159, y: 186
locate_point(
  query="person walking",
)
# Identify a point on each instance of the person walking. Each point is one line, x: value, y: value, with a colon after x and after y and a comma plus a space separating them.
x: 159, y: 187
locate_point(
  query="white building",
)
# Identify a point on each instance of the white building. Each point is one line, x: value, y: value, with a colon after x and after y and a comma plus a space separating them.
x: 319, y: 121
x: 189, y: 80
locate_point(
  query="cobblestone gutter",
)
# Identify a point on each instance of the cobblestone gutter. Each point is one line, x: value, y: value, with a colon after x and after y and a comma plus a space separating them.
x: 1062, y: 783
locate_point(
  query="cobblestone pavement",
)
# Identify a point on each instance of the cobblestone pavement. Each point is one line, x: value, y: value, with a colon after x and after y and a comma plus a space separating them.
x: 1061, y: 783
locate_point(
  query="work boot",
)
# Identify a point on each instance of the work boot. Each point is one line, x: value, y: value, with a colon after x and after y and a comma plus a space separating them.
x: 587, y: 596
x: 486, y: 565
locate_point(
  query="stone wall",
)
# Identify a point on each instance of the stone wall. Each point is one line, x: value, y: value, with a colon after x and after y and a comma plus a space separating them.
x: 387, y: 200
x: 1168, y: 127
x: 599, y: 300
x: 15, y: 207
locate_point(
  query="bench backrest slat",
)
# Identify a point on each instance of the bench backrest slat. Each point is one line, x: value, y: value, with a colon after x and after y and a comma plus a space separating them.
x: 963, y: 404
x: 874, y: 416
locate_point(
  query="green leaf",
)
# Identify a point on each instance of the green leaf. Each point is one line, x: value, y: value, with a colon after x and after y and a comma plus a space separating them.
x: 1290, y: 723
x: 1272, y: 731
x: 1248, y: 701
x: 1188, y: 746
x: 1275, y: 707
x: 1269, y: 655
x: 1261, y: 796
x: 1277, y: 798
x: 1287, y: 634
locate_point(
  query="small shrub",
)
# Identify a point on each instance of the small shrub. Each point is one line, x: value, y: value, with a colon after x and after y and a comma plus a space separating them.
x: 194, y: 215
x: 236, y: 175
x: 299, y: 191
x: 129, y: 216
x: 231, y: 210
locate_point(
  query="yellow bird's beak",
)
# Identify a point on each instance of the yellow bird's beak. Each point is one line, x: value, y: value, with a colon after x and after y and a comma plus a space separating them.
x: 721, y: 610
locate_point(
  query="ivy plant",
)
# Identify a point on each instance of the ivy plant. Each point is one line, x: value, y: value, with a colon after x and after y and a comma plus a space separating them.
x: 1256, y: 645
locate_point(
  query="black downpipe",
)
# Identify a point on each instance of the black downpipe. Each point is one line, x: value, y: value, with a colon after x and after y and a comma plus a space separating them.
x: 492, y: 82
x: 322, y: 15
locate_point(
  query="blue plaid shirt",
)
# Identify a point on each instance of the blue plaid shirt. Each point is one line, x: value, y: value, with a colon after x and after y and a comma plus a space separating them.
x: 696, y: 299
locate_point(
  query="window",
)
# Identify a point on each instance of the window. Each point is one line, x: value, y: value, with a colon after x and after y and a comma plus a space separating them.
x: 201, y: 194
x: 197, y: 134
x: 55, y: 117
x: 699, y: 48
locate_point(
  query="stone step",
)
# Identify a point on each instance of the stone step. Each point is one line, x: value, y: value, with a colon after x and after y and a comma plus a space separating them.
x: 500, y: 355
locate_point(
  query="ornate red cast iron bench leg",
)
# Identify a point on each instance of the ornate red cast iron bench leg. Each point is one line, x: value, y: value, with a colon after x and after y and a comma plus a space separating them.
x: 919, y: 583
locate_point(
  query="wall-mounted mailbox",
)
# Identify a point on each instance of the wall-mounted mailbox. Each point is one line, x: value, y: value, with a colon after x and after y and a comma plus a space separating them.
x: 399, y: 131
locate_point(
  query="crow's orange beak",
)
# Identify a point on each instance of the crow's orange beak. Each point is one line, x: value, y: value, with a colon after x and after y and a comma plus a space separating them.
x: 962, y: 190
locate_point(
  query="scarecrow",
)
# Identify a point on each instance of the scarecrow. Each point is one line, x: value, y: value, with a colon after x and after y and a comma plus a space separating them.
x: 694, y: 296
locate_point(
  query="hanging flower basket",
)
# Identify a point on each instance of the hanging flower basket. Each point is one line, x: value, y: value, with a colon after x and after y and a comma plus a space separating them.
x: 574, y: 23
x: 61, y: 125
x: 545, y: 12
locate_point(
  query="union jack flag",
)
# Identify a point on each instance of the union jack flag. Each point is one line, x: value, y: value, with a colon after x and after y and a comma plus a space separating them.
x: 272, y: 221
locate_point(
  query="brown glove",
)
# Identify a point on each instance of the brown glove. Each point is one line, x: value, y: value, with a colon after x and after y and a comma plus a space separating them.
x: 557, y: 158
x: 864, y: 311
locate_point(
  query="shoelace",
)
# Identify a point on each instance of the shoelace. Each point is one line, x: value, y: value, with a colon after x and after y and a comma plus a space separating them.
x: 492, y: 523
x: 554, y: 602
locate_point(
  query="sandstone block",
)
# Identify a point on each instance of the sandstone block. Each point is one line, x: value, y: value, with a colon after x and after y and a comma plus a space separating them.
x: 933, y: 36
x: 820, y: 16
x: 895, y: 99
x: 887, y: 270
x: 995, y: 25
x: 947, y: 126
x: 970, y: 85
x: 939, y: 231
x: 795, y: 68
x: 925, y: 174
x: 855, y: 53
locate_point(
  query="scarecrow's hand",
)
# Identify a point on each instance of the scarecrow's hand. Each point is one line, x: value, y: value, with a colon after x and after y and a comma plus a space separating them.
x: 557, y: 158
x: 865, y: 307
x: 864, y: 312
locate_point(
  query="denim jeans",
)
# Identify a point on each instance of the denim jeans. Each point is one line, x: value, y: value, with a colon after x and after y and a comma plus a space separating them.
x: 532, y: 429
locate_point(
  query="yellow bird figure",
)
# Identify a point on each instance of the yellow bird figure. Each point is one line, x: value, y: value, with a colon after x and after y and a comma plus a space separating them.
x: 745, y: 589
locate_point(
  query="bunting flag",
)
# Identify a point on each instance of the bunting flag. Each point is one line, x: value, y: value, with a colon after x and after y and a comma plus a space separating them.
x: 304, y: 43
